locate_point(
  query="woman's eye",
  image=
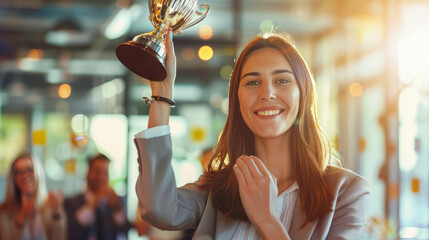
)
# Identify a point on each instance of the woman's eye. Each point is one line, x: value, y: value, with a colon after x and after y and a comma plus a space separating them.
x: 282, y: 80
x: 252, y: 83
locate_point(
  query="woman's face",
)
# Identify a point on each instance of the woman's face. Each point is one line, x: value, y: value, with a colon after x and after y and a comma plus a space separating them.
x: 24, y: 176
x: 268, y: 93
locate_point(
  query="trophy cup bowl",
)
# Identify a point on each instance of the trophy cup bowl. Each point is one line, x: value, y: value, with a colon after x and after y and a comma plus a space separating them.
x: 145, y: 54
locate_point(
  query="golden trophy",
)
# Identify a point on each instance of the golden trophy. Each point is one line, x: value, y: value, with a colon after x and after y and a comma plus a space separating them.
x: 145, y: 54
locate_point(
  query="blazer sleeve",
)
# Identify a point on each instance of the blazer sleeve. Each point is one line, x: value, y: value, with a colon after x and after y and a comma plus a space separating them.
x: 160, y: 202
x: 349, y: 213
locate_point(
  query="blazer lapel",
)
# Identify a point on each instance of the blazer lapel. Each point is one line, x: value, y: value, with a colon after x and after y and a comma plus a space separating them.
x: 213, y: 226
x: 298, y: 218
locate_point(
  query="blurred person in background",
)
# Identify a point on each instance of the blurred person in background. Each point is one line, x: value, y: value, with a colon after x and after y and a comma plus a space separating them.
x: 270, y: 175
x: 29, y: 212
x: 98, y: 212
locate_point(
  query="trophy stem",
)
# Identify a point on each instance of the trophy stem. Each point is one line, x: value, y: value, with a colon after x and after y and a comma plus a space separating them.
x: 160, y: 31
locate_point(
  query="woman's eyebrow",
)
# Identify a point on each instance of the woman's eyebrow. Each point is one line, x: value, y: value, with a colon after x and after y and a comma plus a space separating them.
x: 250, y: 74
x: 282, y: 71
x: 279, y: 71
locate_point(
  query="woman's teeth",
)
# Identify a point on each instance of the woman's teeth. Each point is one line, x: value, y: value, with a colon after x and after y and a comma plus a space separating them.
x: 268, y: 113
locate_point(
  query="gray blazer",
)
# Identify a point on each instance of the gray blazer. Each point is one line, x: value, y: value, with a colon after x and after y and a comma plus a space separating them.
x: 170, y: 208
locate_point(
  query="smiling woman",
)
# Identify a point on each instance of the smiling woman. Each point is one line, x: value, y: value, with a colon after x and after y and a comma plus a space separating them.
x: 269, y: 176
x: 28, y: 211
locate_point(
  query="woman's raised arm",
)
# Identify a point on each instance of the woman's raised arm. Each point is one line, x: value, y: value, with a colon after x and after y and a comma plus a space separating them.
x: 159, y: 112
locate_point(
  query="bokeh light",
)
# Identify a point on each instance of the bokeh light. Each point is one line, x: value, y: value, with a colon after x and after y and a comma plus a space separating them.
x: 266, y: 25
x: 54, y: 76
x: 225, y: 106
x: 198, y: 133
x: 205, y: 53
x: 70, y: 166
x: 355, y: 89
x: 54, y: 170
x: 35, y: 54
x: 64, y: 90
x: 216, y: 100
x: 39, y: 137
x: 225, y: 72
x: 108, y: 89
x: 188, y: 54
x: 80, y: 123
x: 205, y: 32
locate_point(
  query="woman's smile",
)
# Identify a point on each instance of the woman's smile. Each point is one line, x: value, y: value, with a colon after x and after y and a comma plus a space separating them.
x: 268, y: 112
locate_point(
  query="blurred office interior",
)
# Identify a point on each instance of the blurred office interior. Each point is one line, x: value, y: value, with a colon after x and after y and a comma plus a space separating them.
x: 64, y: 95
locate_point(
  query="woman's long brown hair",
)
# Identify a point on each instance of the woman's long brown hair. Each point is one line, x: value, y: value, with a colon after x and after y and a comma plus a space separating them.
x: 310, y: 147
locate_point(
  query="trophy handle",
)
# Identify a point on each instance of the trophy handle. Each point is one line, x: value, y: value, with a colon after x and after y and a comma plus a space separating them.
x: 201, y: 14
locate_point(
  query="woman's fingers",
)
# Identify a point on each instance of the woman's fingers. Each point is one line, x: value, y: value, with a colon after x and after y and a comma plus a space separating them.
x: 251, y: 164
x: 244, y: 168
x: 248, y: 168
x: 262, y: 168
x: 169, y: 45
x: 257, y: 187
x: 170, y: 58
x: 239, y: 175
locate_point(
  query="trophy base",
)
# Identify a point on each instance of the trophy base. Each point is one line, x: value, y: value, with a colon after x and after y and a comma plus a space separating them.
x: 142, y: 60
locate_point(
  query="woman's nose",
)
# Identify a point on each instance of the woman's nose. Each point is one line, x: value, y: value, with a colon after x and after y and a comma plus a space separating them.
x: 267, y: 91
